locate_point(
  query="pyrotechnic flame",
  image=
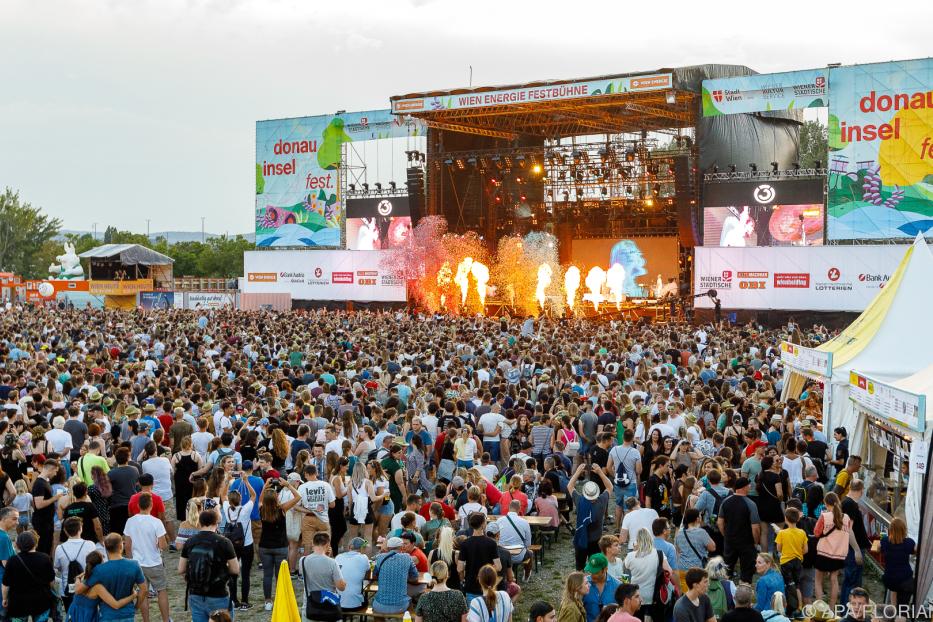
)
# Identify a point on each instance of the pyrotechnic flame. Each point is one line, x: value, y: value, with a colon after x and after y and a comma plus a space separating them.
x: 544, y: 279
x: 615, y: 281
x: 595, y: 279
x: 462, y: 278
x: 571, y: 284
x: 481, y: 274
x: 443, y: 280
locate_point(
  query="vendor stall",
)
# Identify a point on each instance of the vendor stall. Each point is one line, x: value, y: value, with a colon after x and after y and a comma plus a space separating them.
x: 892, y: 434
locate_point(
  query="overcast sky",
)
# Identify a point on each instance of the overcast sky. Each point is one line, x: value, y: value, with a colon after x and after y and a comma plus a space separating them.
x: 115, y: 111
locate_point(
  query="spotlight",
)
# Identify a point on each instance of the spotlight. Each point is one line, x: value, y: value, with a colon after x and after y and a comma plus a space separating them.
x: 497, y: 161
x: 365, y: 188
x: 657, y: 190
x: 753, y: 167
x: 629, y: 155
x: 603, y: 154
x: 566, y: 194
x: 352, y: 187
x: 671, y: 97
x: 715, y: 169
x: 410, y: 155
x: 521, y: 160
x: 577, y: 156
x: 817, y: 164
x: 604, y: 191
x: 774, y: 167
x: 518, y: 180
x: 449, y: 161
x: 378, y: 186
x: 732, y: 168
x: 522, y: 198
x: 392, y: 185
x: 796, y: 165
x: 460, y: 164
x: 649, y: 202
x: 536, y: 169
x: 498, y: 198
x: 472, y: 161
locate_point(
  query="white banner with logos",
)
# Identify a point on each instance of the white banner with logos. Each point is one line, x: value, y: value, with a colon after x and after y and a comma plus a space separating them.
x: 808, y: 278
x: 322, y: 275
x: 205, y: 300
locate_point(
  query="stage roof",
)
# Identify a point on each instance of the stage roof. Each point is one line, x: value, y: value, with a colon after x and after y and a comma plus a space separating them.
x: 128, y: 254
x: 621, y: 103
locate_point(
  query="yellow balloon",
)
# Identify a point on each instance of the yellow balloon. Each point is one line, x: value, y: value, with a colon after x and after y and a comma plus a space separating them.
x: 901, y: 160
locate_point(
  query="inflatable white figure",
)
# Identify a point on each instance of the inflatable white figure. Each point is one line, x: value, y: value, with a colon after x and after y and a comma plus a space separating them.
x: 68, y: 267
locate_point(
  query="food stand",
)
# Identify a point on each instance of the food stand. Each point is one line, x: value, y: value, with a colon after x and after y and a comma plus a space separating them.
x: 893, y: 435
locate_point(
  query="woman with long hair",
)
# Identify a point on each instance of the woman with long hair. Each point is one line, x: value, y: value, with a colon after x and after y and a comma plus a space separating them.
x: 898, y: 575
x: 494, y: 605
x: 100, y: 492
x: 770, y: 581
x: 192, y: 523
x: 84, y: 606
x: 446, y: 551
x: 833, y: 528
x: 642, y: 564
x: 273, y: 541
x: 336, y: 514
x: 218, y: 482
x: 185, y: 463
x: 360, y: 498
x: 383, y: 508
x: 279, y: 449
x: 416, y: 466
x: 653, y: 447
x: 571, y: 601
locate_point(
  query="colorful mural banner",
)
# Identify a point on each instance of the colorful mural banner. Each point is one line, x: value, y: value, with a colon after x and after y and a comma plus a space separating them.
x: 881, y: 151
x: 297, y: 167
x: 538, y: 93
x: 766, y: 91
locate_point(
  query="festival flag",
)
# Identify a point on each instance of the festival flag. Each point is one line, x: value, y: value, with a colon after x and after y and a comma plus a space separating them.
x: 501, y: 483
x: 286, y: 607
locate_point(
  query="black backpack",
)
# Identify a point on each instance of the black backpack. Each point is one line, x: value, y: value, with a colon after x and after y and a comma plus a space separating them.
x: 820, y: 468
x: 74, y: 571
x: 199, y: 575
x: 233, y: 531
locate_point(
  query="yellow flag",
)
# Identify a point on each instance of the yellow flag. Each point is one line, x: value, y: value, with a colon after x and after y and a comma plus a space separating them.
x: 285, y: 608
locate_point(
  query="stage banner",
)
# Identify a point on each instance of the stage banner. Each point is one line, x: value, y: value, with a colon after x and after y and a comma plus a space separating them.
x: 897, y: 405
x: 881, y: 150
x: 156, y: 300
x: 766, y: 91
x: 322, y: 275
x: 806, y: 278
x: 297, y: 160
x: 812, y: 362
x: 535, y: 94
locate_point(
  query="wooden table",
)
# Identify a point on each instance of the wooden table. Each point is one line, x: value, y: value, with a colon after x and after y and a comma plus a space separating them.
x: 533, y: 521
x: 424, y: 579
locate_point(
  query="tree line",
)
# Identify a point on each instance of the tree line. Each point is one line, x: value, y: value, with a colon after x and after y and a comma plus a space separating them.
x: 29, y: 244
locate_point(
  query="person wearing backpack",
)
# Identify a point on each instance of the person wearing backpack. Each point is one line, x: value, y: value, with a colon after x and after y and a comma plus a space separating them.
x: 625, y: 464
x: 69, y: 558
x: 207, y: 561
x: 708, y: 504
x: 237, y: 527
x: 145, y: 540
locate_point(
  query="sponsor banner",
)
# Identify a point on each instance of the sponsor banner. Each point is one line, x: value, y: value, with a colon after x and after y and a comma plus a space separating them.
x: 814, y: 278
x: 763, y: 213
x: 896, y: 405
x: 322, y: 275
x: 377, y: 223
x: 810, y: 361
x: 119, y: 288
x: 533, y: 94
x: 881, y: 151
x: 156, y: 300
x: 208, y: 300
x: 297, y: 160
x: 767, y: 91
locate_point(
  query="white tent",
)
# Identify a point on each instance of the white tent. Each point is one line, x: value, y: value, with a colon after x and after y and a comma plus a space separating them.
x: 890, y: 340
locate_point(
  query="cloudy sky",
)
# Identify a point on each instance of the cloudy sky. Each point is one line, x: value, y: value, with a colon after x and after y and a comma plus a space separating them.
x: 115, y: 111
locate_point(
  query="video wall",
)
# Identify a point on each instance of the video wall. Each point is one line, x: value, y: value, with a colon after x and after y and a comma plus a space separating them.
x: 644, y: 259
x: 763, y: 213
x: 377, y: 223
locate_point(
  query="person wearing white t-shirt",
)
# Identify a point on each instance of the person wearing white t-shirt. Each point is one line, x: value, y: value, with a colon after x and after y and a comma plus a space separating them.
x: 236, y: 510
x: 490, y: 428
x: 73, y: 549
x: 59, y: 440
x: 201, y: 440
x: 316, y: 498
x: 144, y: 541
x: 161, y: 470
x: 636, y: 518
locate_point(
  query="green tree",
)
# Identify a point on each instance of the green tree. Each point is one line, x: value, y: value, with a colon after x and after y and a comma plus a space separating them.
x: 813, y: 144
x: 109, y: 233
x: 23, y: 230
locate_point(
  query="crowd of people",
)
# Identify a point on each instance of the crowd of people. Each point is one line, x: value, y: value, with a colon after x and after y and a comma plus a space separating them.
x: 394, y: 462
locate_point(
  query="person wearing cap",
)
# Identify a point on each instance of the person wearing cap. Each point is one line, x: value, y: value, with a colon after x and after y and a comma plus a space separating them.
x: 354, y: 566
x: 602, y: 586
x: 393, y: 570
x: 149, y: 417
x: 591, y: 506
x: 740, y: 526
